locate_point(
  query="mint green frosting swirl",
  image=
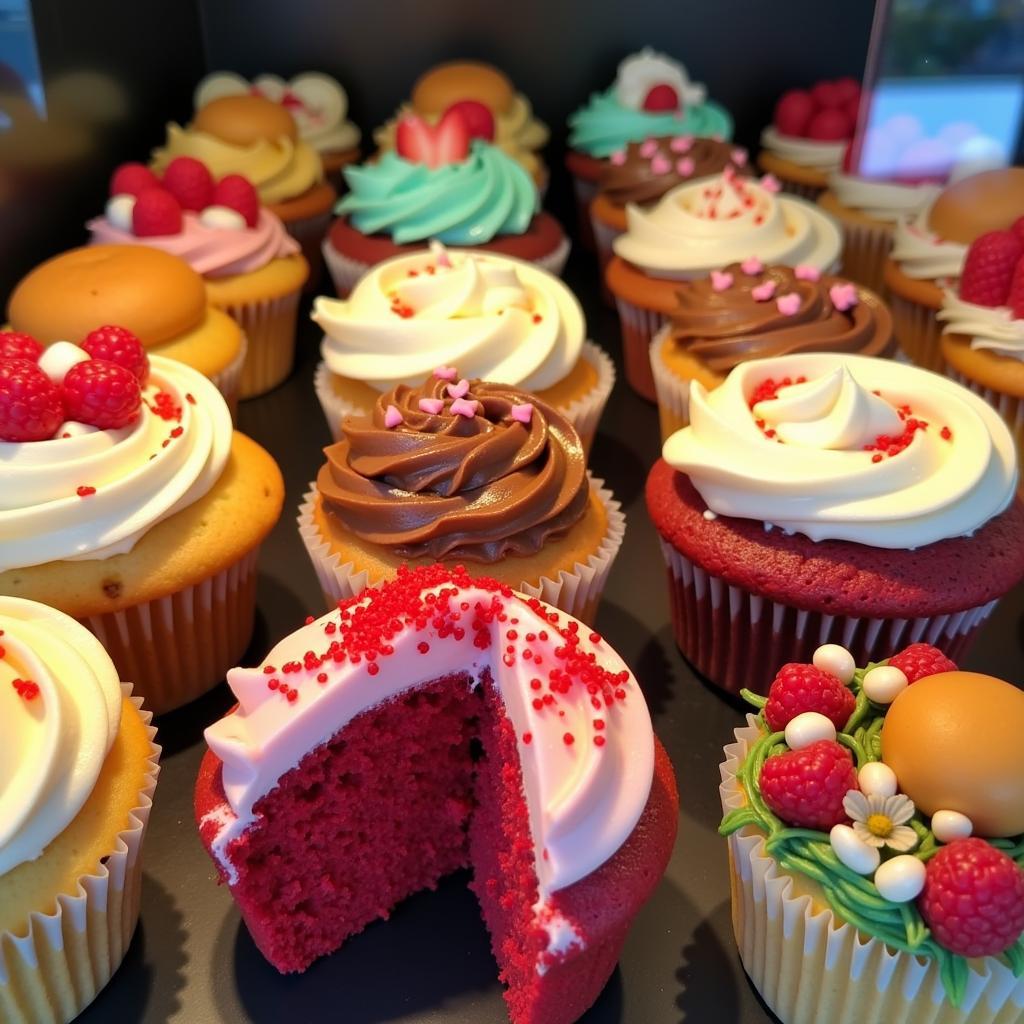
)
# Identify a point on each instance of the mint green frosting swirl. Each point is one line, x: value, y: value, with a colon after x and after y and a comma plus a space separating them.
x: 467, y: 203
x: 604, y: 125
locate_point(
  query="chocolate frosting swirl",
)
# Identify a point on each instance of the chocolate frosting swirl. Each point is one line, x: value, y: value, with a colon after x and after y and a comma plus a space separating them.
x: 448, y: 486
x: 726, y: 327
x: 655, y: 166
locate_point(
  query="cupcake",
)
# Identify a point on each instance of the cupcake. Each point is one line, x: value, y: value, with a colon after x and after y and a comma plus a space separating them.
x: 522, y: 751
x: 983, y: 324
x: 830, y: 498
x: 697, y: 228
x: 462, y: 471
x: 652, y: 96
x: 875, y: 819
x: 439, y: 184
x: 489, y: 102
x: 154, y: 294
x: 130, y: 504
x: 317, y: 102
x: 79, y: 776
x: 809, y: 134
x: 258, y: 138
x: 642, y: 173
x: 496, y: 318
x: 928, y: 253
x: 749, y: 311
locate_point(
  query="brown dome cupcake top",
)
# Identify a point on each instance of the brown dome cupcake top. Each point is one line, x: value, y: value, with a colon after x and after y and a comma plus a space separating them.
x: 245, y: 119
x: 990, y: 201
x: 439, y: 88
x: 465, y: 469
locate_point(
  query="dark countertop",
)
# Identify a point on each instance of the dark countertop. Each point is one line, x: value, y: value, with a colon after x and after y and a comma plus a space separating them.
x: 192, y: 961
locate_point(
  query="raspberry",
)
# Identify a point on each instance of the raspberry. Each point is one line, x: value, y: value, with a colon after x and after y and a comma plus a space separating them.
x: 988, y: 268
x: 118, y: 345
x: 15, y: 345
x: 806, y: 787
x: 30, y: 405
x: 973, y: 898
x: 478, y: 117
x: 920, y: 660
x: 132, y: 180
x: 188, y: 180
x: 1017, y: 230
x: 1015, y: 297
x: 237, y: 192
x: 799, y: 688
x: 156, y: 212
x: 661, y: 97
x: 101, y: 394
x: 826, y: 95
x: 847, y: 90
x: 829, y: 125
x: 793, y: 112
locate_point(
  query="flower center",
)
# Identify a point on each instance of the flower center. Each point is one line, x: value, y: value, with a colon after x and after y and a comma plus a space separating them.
x: 879, y: 825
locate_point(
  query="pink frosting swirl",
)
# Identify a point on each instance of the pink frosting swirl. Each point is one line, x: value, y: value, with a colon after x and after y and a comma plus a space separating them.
x: 210, y: 251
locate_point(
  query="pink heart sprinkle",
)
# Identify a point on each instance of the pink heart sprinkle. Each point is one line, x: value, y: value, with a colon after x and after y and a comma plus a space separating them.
x: 752, y: 265
x: 770, y: 183
x: 788, y: 305
x: 763, y: 292
x: 458, y: 390
x: 446, y: 373
x: 649, y: 148
x: 805, y: 272
x: 685, y: 166
x: 843, y: 296
x: 464, y: 407
x: 523, y: 413
x: 739, y: 157
x: 660, y: 164
x: 618, y: 157
x: 681, y: 143
x: 431, y: 405
x: 720, y: 280
x: 392, y: 417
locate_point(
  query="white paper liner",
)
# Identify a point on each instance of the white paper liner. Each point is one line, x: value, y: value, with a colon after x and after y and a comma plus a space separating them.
x: 228, y: 381
x: 709, y: 614
x: 866, y: 247
x: 57, y: 968
x: 604, y: 236
x: 811, y: 967
x: 584, y: 413
x: 639, y: 326
x: 1010, y: 407
x: 178, y: 647
x: 917, y: 331
x: 672, y: 392
x: 269, y: 328
x: 577, y: 593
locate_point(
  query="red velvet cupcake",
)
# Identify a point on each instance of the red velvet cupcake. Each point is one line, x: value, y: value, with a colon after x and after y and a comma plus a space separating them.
x: 430, y: 727
x: 833, y: 499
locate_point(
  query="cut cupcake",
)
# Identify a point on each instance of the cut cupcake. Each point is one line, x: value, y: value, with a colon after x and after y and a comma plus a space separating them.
x: 502, y: 736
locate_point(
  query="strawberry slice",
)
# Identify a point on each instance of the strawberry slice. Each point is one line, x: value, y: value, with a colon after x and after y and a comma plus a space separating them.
x: 414, y: 140
x: 452, y: 135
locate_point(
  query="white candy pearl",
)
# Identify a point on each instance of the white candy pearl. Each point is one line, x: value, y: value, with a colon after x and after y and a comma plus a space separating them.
x: 901, y: 879
x: 836, y: 660
x: 853, y: 851
x: 877, y: 779
x: 950, y: 825
x: 59, y: 358
x: 884, y: 684
x: 222, y: 217
x: 808, y: 728
x: 120, y: 209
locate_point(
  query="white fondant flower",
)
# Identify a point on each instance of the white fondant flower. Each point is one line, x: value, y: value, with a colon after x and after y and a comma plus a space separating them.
x: 882, y: 820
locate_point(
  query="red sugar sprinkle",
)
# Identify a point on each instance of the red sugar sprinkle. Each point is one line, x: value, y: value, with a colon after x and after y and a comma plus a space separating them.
x: 537, y: 703
x: 84, y: 491
x: 177, y: 431
x: 273, y: 684
x: 595, y: 638
x: 568, y: 739
x: 309, y: 619
x: 25, y: 688
x: 598, y: 741
x: 423, y: 647
x: 946, y: 434
x: 599, y: 724
x: 535, y: 684
x: 373, y: 668
x: 321, y: 677
x: 537, y: 318
x: 527, y: 737
x: 293, y: 696
x: 190, y: 398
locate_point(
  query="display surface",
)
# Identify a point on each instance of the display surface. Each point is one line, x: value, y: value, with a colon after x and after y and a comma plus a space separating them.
x: 192, y: 959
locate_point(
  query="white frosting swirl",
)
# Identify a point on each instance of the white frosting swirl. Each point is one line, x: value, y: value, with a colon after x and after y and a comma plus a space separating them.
x: 991, y: 328
x: 701, y: 226
x: 825, y: 156
x: 493, y: 317
x: 821, y: 481
x: 921, y: 254
x: 52, y: 743
x: 882, y: 200
x: 139, y: 481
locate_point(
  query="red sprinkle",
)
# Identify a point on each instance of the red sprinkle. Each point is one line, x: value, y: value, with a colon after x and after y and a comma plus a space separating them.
x: 568, y: 739
x: 527, y: 737
x: 25, y: 688
x: 84, y: 491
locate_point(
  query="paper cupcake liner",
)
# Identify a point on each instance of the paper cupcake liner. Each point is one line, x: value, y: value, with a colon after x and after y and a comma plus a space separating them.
x: 865, y: 250
x: 917, y: 331
x: 178, y: 647
x: 639, y: 326
x: 577, y: 593
x: 50, y: 974
x: 810, y: 966
x: 585, y: 191
x: 228, y: 381
x: 1010, y: 407
x: 738, y: 640
x: 309, y: 232
x: 796, y: 188
x: 584, y: 413
x: 672, y: 392
x: 269, y: 328
x: 604, y: 236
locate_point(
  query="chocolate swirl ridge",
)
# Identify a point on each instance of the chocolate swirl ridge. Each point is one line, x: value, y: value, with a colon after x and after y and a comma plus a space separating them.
x: 445, y: 485
x: 726, y: 327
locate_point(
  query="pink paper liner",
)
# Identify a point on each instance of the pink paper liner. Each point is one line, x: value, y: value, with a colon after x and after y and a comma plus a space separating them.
x: 577, y: 593
x: 865, y: 250
x: 269, y: 328
x: 811, y: 967
x: 53, y: 971
x: 180, y: 646
x: 228, y: 381
x: 584, y: 413
x: 737, y: 639
x: 917, y: 331
x: 639, y: 326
